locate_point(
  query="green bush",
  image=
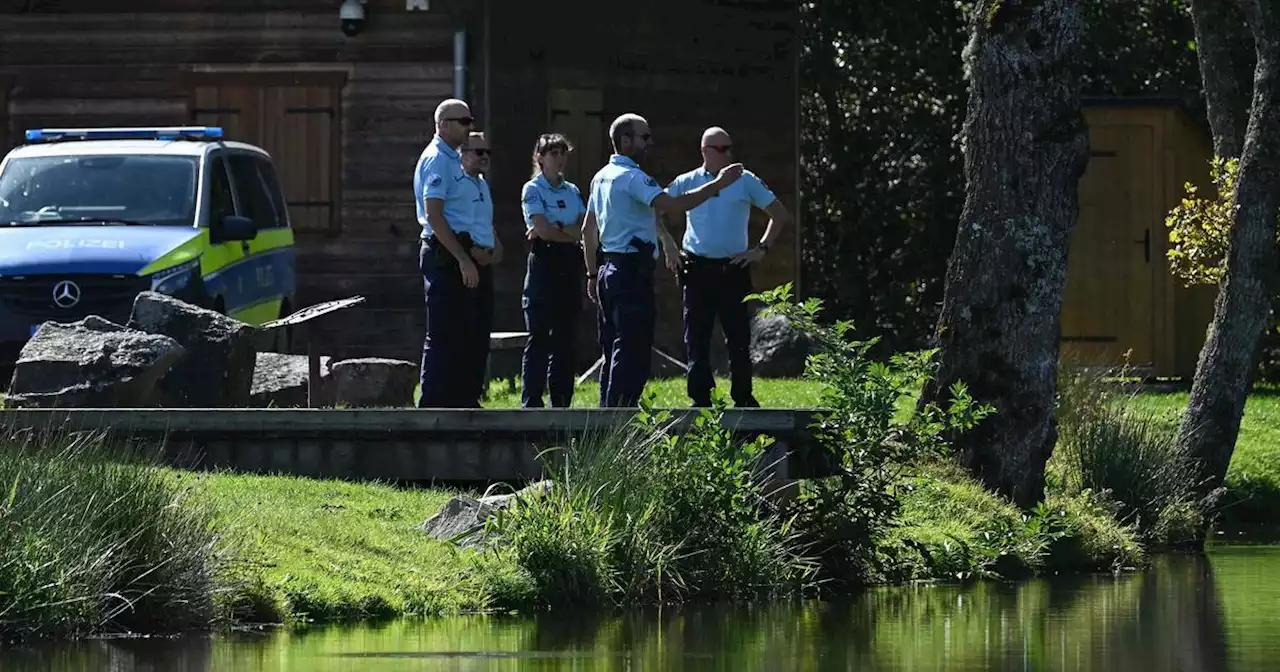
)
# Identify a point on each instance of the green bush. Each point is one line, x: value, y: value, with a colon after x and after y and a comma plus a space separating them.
x: 1110, y: 444
x: 648, y: 514
x: 94, y: 539
x: 873, y: 437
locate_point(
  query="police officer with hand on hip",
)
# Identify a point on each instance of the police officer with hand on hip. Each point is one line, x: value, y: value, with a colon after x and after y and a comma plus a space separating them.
x: 553, y: 212
x: 716, y: 273
x: 622, y: 219
x: 458, y: 249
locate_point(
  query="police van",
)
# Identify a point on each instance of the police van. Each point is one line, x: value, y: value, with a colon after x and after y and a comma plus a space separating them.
x: 91, y: 217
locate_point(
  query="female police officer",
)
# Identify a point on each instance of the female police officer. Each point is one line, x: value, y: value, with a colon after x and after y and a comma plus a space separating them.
x: 553, y: 211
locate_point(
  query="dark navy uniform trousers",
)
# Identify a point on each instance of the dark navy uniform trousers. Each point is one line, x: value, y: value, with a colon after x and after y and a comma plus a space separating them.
x: 625, y: 325
x: 552, y: 301
x: 715, y: 289
x: 456, y: 349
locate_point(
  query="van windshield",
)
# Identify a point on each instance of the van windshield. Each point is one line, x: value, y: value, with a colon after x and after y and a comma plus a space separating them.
x: 141, y: 189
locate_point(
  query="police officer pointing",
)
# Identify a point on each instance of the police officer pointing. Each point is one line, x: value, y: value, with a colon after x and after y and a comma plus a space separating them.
x: 553, y: 211
x: 621, y: 219
x: 716, y: 274
x: 458, y: 246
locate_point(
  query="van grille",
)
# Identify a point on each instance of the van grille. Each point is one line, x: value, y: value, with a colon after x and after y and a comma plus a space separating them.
x: 107, y: 296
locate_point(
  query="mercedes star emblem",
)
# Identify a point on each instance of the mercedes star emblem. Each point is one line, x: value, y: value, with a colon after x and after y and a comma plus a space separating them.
x: 66, y: 294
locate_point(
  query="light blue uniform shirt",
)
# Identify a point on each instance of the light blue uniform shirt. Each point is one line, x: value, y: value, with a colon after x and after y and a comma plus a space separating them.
x: 560, y: 205
x: 718, y: 228
x: 468, y: 206
x: 622, y: 199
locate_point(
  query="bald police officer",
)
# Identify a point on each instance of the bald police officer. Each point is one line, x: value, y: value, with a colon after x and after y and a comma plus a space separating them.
x: 455, y: 211
x: 621, y: 219
x: 716, y: 268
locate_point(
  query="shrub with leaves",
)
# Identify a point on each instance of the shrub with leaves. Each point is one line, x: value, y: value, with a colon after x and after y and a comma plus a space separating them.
x: 1200, y: 227
x: 1199, y: 237
x: 872, y: 436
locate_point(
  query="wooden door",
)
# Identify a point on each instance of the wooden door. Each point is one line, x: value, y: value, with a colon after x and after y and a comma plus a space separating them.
x: 1109, y: 304
x: 578, y: 114
x: 298, y: 125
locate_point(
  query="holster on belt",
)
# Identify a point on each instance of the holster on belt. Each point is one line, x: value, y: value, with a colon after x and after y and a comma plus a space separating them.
x: 644, y: 247
x: 441, y: 252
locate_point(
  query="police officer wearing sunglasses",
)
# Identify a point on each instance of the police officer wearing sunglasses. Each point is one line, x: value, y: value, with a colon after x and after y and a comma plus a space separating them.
x: 458, y: 249
x: 622, y: 219
x: 716, y: 268
x: 553, y: 210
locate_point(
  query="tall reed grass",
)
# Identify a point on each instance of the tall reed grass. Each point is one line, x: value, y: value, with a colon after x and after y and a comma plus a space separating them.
x: 94, y: 539
x: 1109, y: 443
x: 647, y: 514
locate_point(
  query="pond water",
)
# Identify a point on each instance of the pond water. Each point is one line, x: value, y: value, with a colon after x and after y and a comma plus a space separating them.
x: 1220, y: 612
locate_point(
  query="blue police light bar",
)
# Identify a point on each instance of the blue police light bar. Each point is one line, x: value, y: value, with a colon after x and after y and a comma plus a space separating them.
x: 153, y: 133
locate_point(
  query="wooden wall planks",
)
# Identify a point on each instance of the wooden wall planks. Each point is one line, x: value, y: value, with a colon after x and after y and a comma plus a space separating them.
x: 685, y: 64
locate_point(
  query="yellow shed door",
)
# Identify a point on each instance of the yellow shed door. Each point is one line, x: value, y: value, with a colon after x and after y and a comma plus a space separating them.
x: 1109, y: 304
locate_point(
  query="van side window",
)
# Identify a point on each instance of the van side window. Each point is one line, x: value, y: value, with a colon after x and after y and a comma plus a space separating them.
x: 220, y: 201
x: 272, y: 183
x: 255, y: 203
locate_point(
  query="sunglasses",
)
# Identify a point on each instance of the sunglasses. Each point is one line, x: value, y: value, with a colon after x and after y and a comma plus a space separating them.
x: 465, y: 121
x: 479, y: 152
x: 720, y: 148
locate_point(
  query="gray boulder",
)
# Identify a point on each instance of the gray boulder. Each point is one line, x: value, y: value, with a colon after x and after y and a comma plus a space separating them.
x: 217, y: 371
x: 281, y: 381
x: 373, y: 382
x: 463, y: 518
x: 92, y: 363
x: 778, y: 348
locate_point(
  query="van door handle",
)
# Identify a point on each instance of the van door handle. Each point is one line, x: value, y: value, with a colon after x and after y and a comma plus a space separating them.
x: 1146, y: 245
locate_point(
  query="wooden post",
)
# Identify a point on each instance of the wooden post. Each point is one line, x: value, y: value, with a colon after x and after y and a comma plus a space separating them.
x: 302, y: 321
x: 313, y: 369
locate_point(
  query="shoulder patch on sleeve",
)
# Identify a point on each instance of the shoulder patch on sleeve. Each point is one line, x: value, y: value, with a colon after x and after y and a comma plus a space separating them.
x: 650, y: 182
x: 434, y: 180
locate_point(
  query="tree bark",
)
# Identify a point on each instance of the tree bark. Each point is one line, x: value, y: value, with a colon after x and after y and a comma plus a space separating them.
x: 1229, y: 358
x: 1217, y: 26
x: 1026, y: 147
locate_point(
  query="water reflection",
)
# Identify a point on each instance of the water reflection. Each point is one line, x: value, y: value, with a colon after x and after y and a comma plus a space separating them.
x: 1187, y: 614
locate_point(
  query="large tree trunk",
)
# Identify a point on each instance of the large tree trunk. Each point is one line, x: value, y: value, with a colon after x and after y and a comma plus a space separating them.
x: 1241, y: 312
x: 1026, y: 147
x: 1217, y: 25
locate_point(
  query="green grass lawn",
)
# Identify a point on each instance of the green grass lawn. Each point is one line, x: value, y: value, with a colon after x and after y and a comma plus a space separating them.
x: 334, y: 551
x: 670, y: 393
x: 330, y: 550
x: 1253, y: 479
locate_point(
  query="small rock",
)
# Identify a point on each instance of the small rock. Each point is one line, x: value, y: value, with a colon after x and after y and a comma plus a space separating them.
x: 460, y: 516
x: 92, y: 363
x: 281, y: 381
x: 217, y: 371
x: 464, y: 515
x: 778, y: 348
x: 373, y: 382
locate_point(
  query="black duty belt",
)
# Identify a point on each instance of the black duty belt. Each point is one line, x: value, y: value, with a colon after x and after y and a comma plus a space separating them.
x: 540, y: 245
x: 696, y: 260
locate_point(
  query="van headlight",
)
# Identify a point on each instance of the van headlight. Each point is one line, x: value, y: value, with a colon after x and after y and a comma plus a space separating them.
x: 175, y: 278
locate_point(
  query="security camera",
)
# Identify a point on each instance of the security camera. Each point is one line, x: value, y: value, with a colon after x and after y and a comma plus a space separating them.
x: 352, y: 15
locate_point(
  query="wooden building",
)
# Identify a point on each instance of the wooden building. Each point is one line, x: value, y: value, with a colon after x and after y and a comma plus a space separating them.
x: 346, y: 116
x: 1120, y: 296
